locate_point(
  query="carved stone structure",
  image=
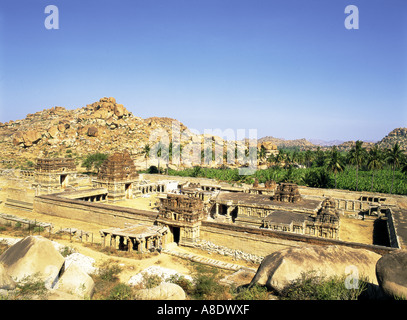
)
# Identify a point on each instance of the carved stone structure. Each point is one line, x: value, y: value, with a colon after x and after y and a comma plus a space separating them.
x: 268, y: 189
x: 328, y: 212
x: 119, y: 176
x: 287, y: 192
x: 54, y: 173
x: 183, y: 215
x: 140, y: 237
x: 324, y: 224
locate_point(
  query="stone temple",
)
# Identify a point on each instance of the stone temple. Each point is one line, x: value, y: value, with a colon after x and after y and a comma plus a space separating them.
x: 54, y: 173
x: 119, y: 176
x: 255, y: 218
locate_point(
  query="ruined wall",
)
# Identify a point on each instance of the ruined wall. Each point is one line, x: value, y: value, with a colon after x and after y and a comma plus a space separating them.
x: 391, y: 229
x: 99, y: 213
x: 20, y: 198
x: 263, y: 242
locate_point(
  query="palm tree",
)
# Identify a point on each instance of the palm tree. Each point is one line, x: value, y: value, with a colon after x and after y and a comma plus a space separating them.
x: 404, y: 168
x: 395, y: 157
x: 280, y: 157
x: 262, y: 153
x: 271, y: 158
x: 146, y: 152
x: 375, y: 161
x: 356, y: 156
x: 319, y: 157
x: 335, y: 163
x: 162, y: 152
x: 308, y: 158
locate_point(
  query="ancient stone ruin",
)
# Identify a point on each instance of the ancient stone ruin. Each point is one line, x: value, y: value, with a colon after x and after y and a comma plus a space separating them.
x: 54, y: 173
x: 287, y: 192
x: 183, y: 215
x: 119, y: 176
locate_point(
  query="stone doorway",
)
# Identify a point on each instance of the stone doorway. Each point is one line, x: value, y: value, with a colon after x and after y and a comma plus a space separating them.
x: 63, y: 180
x: 175, y: 233
x: 128, y: 190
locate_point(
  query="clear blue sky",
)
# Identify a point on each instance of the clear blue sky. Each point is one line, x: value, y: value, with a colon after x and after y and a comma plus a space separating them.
x: 288, y: 68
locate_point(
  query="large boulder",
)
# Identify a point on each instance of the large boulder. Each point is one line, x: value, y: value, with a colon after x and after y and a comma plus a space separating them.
x: 30, y: 137
x: 165, y: 291
x: 33, y: 256
x: 53, y: 131
x: 77, y: 282
x: 280, y: 268
x: 391, y: 271
x: 93, y: 131
x: 119, y: 110
x: 6, y: 282
x: 18, y: 138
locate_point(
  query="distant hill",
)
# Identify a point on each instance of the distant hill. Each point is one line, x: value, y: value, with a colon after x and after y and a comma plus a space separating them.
x: 324, y: 143
x: 397, y: 135
x: 280, y: 142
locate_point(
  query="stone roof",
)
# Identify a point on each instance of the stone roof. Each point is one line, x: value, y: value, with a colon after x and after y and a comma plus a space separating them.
x: 118, y: 167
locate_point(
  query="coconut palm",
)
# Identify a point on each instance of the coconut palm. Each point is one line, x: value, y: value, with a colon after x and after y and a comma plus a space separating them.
x: 394, y: 157
x: 308, y: 158
x: 404, y: 168
x: 319, y: 157
x: 280, y: 157
x: 335, y: 163
x: 262, y: 153
x: 146, y: 152
x: 356, y: 157
x: 271, y: 159
x: 375, y: 161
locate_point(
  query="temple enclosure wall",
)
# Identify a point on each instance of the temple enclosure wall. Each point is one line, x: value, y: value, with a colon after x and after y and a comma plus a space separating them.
x: 252, y: 240
x: 103, y: 214
x: 263, y: 242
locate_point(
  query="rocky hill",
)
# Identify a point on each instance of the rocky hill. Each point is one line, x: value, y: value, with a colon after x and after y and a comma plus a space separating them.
x: 107, y: 126
x: 280, y: 142
x: 103, y: 126
x: 397, y: 135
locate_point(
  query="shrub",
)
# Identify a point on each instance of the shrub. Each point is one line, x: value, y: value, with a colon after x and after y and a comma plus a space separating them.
x: 255, y: 292
x: 66, y: 251
x: 121, y: 292
x: 108, y: 271
x: 151, y: 281
x: 184, y: 283
x: 207, y: 288
x: 28, y: 288
x: 311, y: 286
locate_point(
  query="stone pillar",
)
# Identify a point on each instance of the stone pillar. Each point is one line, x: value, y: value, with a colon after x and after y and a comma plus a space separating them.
x: 129, y: 244
x: 141, y: 245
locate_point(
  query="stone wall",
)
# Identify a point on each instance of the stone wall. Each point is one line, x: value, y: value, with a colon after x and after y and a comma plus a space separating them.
x: 391, y: 229
x: 99, y: 213
x: 262, y: 242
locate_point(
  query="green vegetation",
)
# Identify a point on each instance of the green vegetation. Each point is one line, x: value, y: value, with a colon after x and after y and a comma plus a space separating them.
x: 28, y: 288
x: 94, y: 161
x: 310, y: 286
x: 378, y: 170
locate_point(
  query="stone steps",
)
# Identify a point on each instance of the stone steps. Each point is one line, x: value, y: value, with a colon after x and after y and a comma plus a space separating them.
x: 204, y: 260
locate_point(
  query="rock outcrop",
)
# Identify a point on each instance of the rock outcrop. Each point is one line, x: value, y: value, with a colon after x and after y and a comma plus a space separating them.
x: 75, y: 281
x: 391, y: 271
x: 33, y: 256
x: 6, y: 282
x: 280, y: 268
x: 37, y: 257
x: 165, y: 291
x: 398, y: 135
